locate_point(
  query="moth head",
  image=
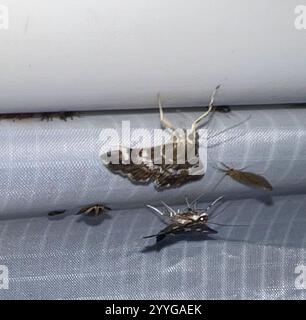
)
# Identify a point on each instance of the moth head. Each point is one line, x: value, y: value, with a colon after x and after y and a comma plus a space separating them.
x: 203, y: 217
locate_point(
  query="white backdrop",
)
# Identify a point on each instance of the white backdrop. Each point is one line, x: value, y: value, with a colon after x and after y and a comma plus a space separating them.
x: 106, y: 54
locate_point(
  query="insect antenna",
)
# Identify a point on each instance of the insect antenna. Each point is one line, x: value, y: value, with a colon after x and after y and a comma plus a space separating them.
x: 229, y: 168
x: 220, y: 180
x: 216, y: 215
x: 221, y: 170
x: 193, y: 203
x: 188, y: 204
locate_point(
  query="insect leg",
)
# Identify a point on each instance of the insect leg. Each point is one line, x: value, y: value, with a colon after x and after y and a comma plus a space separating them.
x: 172, y: 212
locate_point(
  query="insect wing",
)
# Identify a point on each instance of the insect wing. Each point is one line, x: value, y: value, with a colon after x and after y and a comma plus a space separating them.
x: 136, y: 164
x: 180, y: 167
x: 176, y: 228
x: 173, y: 228
x: 144, y: 165
x: 199, y: 228
x: 252, y: 179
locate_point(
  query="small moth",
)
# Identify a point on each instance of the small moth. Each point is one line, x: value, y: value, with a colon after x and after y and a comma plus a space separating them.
x: 155, y: 165
x: 247, y: 178
x: 93, y: 210
x: 190, y: 219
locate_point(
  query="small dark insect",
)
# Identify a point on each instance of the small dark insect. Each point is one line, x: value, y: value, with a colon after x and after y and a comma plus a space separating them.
x: 56, y: 213
x: 155, y: 165
x: 94, y: 210
x: 16, y: 116
x: 49, y: 116
x: 247, y: 178
x: 65, y: 115
x: 190, y: 219
x: 222, y: 109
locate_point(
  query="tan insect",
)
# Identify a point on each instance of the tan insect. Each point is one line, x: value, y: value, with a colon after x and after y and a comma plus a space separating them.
x: 247, y: 178
x: 93, y: 210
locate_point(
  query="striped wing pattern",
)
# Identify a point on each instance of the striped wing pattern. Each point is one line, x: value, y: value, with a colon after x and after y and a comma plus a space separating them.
x: 146, y: 165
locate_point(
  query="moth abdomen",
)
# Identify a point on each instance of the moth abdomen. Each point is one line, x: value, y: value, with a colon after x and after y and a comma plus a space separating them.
x: 247, y: 178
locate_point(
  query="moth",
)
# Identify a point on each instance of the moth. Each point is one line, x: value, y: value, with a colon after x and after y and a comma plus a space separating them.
x: 188, y: 220
x: 155, y: 164
x: 48, y: 116
x: 93, y: 210
x: 247, y: 178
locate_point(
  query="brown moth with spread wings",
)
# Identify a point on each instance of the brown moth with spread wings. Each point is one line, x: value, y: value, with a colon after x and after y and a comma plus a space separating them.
x: 165, y: 165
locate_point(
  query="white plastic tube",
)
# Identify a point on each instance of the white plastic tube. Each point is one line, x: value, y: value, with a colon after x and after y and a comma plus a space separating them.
x: 106, y: 54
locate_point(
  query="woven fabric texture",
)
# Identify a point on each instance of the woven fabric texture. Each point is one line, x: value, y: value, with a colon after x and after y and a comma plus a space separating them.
x: 56, y: 165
